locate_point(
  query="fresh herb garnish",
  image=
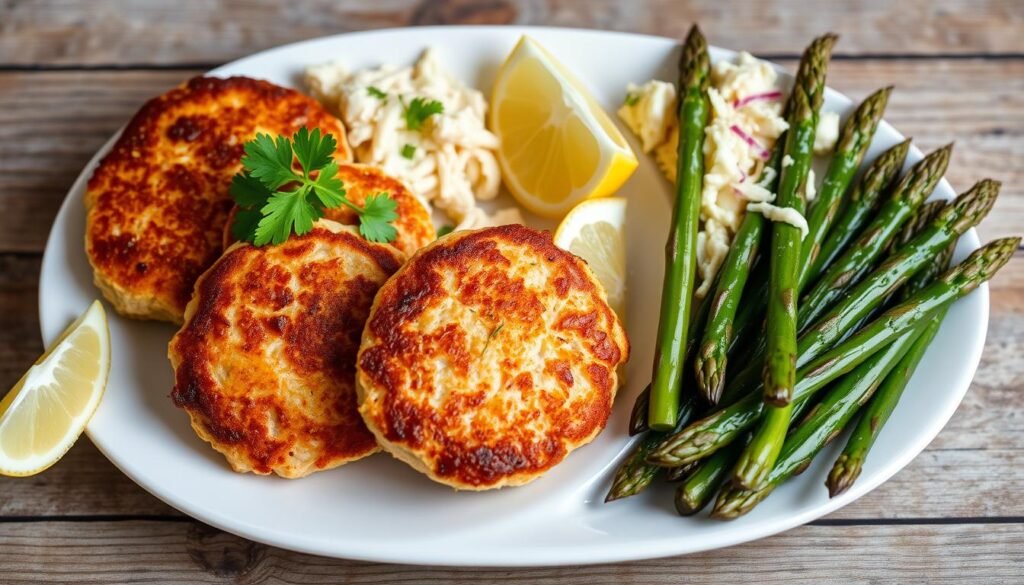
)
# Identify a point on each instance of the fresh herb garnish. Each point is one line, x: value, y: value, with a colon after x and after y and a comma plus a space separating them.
x: 418, y: 110
x: 632, y: 98
x: 408, y: 151
x: 375, y: 220
x: 276, y: 201
x: 491, y: 336
x: 445, y: 230
x: 376, y: 92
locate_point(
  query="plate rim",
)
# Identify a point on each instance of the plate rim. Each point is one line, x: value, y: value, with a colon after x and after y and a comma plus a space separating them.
x: 590, y: 553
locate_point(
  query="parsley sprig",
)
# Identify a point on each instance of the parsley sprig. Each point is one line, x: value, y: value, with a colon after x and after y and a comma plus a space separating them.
x: 418, y: 110
x: 275, y: 200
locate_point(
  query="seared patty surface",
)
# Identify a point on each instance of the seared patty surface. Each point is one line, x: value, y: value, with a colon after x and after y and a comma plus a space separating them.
x: 488, y: 357
x: 265, y: 363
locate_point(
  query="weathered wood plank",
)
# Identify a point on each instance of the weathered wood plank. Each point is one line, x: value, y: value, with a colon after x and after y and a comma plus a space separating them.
x: 20, y: 341
x: 52, y: 122
x: 972, y: 470
x: 188, y: 552
x: 168, y: 32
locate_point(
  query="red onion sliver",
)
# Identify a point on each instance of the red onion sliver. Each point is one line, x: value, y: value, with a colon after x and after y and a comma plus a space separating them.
x: 761, y: 151
x: 768, y: 95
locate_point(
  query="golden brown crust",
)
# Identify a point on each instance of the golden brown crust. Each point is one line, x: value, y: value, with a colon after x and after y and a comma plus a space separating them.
x: 265, y: 363
x: 413, y: 226
x: 157, y: 203
x: 489, y: 357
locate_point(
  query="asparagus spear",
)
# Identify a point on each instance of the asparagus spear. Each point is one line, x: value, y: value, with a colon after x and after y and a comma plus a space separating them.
x: 638, y: 416
x: 931, y: 272
x: 705, y: 436
x: 681, y: 248
x: 805, y: 101
x: 711, y: 473
x: 952, y: 220
x: 853, y: 143
x: 848, y: 466
x: 861, y: 206
x: 833, y: 413
x: 908, y: 195
x: 919, y: 222
x: 779, y: 375
x: 634, y: 474
x: 821, y: 426
x: 712, y: 355
x: 750, y: 315
x: 698, y: 489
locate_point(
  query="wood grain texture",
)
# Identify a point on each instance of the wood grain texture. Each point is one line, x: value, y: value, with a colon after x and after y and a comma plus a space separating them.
x: 110, y: 32
x: 51, y: 123
x: 189, y: 552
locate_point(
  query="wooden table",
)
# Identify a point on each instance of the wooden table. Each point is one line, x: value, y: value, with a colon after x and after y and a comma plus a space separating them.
x: 72, y: 73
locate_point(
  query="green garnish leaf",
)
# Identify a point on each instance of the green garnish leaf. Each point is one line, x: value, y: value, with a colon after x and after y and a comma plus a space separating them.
x: 286, y: 213
x: 313, y: 151
x: 376, y: 92
x: 408, y: 151
x: 418, y: 110
x: 632, y: 99
x: 245, y: 224
x: 328, y: 187
x: 375, y: 221
x: 269, y: 160
x: 445, y: 230
x: 275, y: 200
x: 248, y: 191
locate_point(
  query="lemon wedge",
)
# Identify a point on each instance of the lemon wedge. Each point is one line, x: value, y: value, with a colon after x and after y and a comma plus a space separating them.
x: 595, y: 231
x: 47, y: 410
x: 558, y: 147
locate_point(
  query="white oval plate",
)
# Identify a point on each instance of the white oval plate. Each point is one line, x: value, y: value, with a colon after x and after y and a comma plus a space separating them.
x: 379, y: 509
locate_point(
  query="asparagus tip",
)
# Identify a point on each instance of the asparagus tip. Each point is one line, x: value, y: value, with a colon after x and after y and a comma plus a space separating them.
x: 749, y: 475
x: 709, y: 377
x: 845, y: 471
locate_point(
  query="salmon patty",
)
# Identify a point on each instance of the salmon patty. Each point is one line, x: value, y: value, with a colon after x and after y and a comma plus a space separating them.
x: 157, y: 203
x: 265, y: 363
x: 488, y: 358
